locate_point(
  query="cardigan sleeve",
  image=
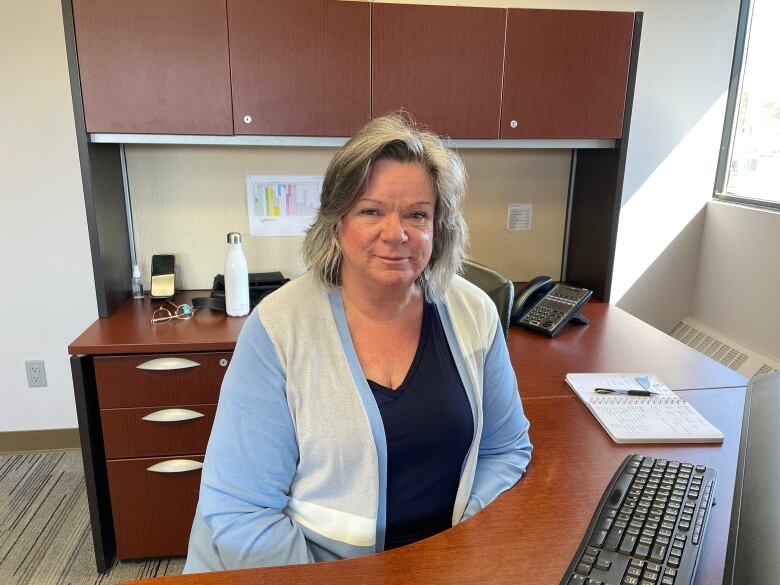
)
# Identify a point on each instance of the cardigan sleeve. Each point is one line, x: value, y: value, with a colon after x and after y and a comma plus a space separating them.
x: 505, y: 447
x: 250, y: 462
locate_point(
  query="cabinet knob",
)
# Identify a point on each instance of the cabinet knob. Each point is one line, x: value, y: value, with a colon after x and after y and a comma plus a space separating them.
x: 223, y: 362
x: 175, y: 466
x: 513, y: 124
x: 247, y: 119
x: 172, y: 415
x: 168, y: 363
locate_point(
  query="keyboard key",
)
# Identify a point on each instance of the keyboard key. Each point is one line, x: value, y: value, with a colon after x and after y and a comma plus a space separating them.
x: 583, y: 569
x: 577, y: 580
x: 613, y: 539
x: 658, y: 553
x: 634, y: 572
x: 627, y: 545
x: 603, y: 564
x: 598, y: 537
x: 642, y: 551
x: 630, y: 581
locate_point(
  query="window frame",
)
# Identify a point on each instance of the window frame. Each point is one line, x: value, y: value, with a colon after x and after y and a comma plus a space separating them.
x: 729, y: 123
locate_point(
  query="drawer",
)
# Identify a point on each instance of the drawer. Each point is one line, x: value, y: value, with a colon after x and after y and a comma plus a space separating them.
x: 159, y: 379
x: 150, y: 432
x: 152, y: 511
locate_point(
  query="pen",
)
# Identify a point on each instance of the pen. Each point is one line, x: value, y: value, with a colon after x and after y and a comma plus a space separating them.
x: 625, y: 392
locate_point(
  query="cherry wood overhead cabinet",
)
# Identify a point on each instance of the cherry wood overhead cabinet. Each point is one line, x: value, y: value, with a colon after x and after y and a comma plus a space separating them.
x: 300, y: 68
x: 151, y: 67
x: 566, y: 73
x: 443, y: 64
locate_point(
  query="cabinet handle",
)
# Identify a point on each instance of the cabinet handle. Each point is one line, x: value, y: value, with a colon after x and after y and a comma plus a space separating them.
x: 172, y: 415
x: 167, y: 363
x: 175, y: 466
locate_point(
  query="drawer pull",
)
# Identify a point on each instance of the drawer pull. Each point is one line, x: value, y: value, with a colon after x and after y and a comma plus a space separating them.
x: 167, y: 363
x: 172, y: 415
x: 175, y: 466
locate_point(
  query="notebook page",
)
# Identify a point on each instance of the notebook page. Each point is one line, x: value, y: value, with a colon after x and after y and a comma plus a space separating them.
x: 659, y: 421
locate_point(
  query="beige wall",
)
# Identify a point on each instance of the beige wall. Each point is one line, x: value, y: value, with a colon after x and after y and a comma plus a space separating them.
x: 739, y: 276
x: 185, y: 199
x: 48, y: 291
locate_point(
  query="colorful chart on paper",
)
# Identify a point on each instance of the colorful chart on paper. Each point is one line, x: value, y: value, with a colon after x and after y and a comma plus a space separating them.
x: 282, y: 205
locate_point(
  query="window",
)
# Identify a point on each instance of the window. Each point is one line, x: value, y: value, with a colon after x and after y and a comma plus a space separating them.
x: 749, y: 165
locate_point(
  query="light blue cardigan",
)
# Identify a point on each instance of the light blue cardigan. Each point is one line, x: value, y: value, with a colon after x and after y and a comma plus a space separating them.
x: 296, y: 466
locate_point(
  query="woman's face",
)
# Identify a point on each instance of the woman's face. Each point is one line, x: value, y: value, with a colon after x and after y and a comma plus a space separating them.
x: 387, y: 236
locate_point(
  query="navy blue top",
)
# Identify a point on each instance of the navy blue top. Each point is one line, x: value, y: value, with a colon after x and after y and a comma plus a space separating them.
x: 429, y: 427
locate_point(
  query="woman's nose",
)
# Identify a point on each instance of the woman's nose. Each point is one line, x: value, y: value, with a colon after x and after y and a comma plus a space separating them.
x: 393, y: 229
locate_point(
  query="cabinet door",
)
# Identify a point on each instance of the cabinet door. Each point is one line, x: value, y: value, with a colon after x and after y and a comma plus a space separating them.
x: 566, y: 73
x: 152, y: 67
x: 441, y: 63
x: 299, y: 68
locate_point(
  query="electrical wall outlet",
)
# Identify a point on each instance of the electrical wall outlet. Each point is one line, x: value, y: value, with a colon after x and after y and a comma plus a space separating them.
x: 36, y: 373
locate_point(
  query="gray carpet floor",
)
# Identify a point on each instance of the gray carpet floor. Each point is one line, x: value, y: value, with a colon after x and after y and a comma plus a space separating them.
x: 45, y: 537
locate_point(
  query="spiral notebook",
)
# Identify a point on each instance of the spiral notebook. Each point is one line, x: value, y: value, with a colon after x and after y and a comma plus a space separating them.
x: 663, y: 418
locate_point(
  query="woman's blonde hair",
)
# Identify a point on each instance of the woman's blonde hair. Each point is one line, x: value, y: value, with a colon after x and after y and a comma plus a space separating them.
x: 393, y: 137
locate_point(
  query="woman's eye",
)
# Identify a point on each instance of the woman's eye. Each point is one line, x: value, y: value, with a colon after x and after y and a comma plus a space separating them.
x: 419, y: 215
x: 369, y: 212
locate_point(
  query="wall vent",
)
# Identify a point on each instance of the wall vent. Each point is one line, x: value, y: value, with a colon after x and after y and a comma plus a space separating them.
x: 714, y: 344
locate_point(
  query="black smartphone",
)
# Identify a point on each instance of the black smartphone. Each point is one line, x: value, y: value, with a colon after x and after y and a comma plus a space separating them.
x: 163, y: 276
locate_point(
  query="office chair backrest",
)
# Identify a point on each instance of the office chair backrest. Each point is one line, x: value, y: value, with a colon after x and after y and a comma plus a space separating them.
x: 499, y: 288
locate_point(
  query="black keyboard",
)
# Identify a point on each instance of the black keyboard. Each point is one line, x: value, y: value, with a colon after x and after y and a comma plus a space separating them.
x: 648, y: 526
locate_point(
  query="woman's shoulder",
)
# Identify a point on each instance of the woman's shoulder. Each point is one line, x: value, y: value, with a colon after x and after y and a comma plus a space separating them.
x: 305, y: 286
x: 471, y: 308
x: 298, y: 301
x: 464, y: 292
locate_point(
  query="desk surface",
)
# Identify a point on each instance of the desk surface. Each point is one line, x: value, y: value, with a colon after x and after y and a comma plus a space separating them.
x: 615, y: 341
x: 520, y: 537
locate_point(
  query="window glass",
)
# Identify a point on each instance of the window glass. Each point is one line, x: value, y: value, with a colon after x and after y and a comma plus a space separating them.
x: 754, y: 166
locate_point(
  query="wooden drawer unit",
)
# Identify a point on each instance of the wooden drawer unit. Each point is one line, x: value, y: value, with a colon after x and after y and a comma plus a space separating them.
x: 156, y: 413
x: 140, y: 432
x: 153, y: 502
x: 160, y: 380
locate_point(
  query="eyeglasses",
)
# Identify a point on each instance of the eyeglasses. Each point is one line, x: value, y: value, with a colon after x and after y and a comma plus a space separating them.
x: 163, y: 314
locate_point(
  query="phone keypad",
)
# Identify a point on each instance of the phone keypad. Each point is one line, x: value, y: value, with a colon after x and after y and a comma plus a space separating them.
x: 555, y: 308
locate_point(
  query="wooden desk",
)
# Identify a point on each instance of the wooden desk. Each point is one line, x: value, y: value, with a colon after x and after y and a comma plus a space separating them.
x: 614, y: 341
x: 522, y: 537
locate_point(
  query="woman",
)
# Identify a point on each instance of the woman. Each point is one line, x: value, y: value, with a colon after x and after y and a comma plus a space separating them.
x: 370, y: 402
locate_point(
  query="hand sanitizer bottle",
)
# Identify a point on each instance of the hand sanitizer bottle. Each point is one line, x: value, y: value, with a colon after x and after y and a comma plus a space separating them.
x: 236, y: 278
x: 138, y: 286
